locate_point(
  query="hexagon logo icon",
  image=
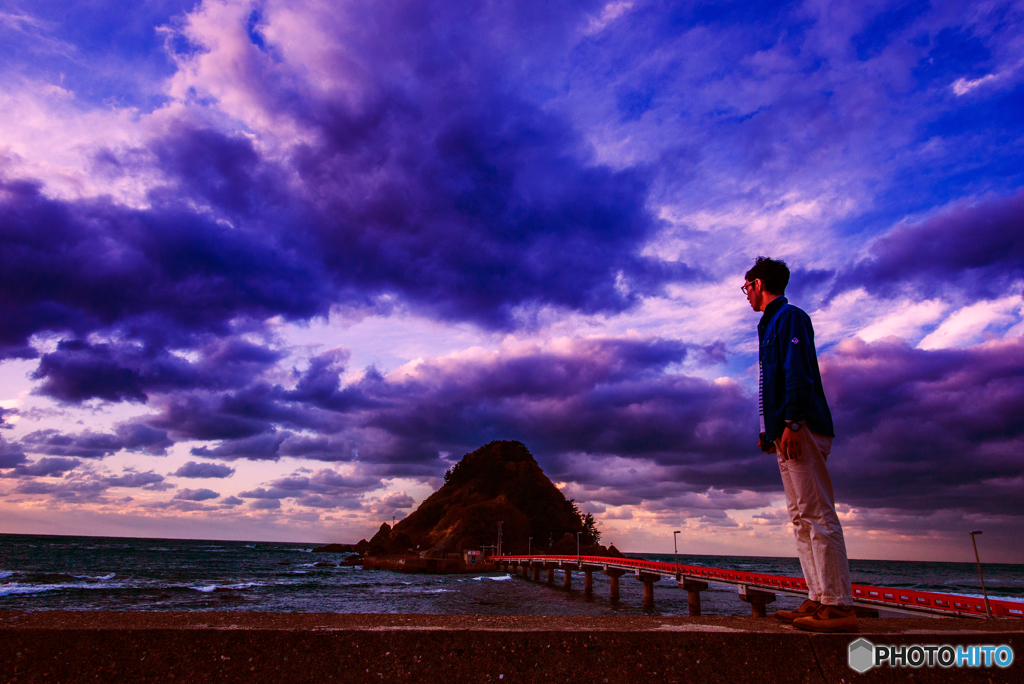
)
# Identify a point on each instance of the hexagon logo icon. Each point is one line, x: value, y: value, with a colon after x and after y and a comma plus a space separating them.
x: 862, y: 655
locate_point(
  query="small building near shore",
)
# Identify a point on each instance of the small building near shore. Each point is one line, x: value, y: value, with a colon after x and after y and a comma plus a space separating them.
x: 471, y: 557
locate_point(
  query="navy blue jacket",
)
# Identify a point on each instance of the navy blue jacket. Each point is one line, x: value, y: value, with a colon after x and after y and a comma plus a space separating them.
x: 789, y: 365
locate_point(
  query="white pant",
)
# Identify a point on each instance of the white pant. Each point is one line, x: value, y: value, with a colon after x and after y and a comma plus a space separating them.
x: 819, y: 536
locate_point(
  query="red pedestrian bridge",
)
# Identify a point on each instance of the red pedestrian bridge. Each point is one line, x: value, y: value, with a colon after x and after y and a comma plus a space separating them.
x: 754, y: 588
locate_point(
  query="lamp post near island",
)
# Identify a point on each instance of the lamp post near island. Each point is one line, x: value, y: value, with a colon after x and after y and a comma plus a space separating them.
x: 988, y: 610
x: 499, y: 537
x: 675, y: 545
x: 578, y: 561
x: 529, y: 547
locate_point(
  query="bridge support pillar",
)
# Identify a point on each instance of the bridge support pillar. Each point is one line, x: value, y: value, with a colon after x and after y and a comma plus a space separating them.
x: 757, y: 599
x: 536, y: 572
x: 588, y: 583
x: 693, y: 589
x: 613, y: 579
x: 648, y: 581
x: 551, y: 574
x: 567, y: 580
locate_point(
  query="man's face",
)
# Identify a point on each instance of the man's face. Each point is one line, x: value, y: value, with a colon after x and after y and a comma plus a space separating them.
x: 753, y: 291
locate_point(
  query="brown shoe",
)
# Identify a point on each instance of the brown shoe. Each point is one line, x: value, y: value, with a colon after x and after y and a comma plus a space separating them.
x: 829, y: 619
x: 806, y: 609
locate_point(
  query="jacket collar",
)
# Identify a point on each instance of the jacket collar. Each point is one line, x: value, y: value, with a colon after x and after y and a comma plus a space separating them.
x: 770, y: 311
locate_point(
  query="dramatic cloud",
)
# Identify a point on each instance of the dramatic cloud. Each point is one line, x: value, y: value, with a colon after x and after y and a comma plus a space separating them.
x: 602, y: 396
x: 924, y: 430
x: 366, y: 238
x: 974, y: 248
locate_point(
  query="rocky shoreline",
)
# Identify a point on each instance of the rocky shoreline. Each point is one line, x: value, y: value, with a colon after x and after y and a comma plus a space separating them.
x: 99, y: 647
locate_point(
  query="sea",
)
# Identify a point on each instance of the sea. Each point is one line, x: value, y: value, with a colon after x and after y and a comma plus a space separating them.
x: 40, y: 572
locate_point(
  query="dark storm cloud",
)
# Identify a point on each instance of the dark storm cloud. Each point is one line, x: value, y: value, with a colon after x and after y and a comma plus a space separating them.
x: 974, y: 249
x: 158, y: 277
x: 199, y: 470
x: 77, y: 370
x: 257, y: 448
x: 129, y: 436
x: 472, y: 203
x: 927, y: 430
x: 598, y: 396
x: 917, y: 428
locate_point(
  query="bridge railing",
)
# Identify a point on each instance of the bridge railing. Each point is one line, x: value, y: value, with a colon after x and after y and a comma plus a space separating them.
x: 885, y: 598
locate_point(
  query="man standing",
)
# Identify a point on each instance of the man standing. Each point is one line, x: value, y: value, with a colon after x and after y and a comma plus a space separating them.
x: 796, y: 425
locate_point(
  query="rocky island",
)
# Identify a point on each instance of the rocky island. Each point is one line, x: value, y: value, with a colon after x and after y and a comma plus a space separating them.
x: 499, y: 483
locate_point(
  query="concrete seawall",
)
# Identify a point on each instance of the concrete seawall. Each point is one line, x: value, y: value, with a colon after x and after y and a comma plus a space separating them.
x: 302, y: 647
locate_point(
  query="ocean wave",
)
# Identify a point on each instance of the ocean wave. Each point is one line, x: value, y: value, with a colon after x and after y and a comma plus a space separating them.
x: 16, y: 588
x: 95, y: 577
x: 210, y: 588
x: 4, y: 574
x: 493, y: 579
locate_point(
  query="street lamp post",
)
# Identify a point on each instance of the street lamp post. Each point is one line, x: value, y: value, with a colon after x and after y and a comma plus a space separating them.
x: 529, y: 547
x: 499, y: 537
x: 578, y: 547
x: 675, y: 545
x: 988, y: 610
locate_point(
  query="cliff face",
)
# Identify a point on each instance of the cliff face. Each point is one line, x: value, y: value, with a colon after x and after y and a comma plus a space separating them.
x: 498, y: 482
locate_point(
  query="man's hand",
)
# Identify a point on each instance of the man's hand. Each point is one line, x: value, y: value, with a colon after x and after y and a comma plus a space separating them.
x: 789, y: 445
x: 768, y: 448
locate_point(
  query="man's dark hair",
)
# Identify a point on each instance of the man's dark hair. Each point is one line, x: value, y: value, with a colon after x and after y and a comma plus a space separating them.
x: 774, y: 274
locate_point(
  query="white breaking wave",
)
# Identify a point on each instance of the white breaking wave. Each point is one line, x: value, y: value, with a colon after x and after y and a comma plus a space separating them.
x: 16, y: 588
x: 493, y: 579
x: 97, y: 577
x: 210, y: 588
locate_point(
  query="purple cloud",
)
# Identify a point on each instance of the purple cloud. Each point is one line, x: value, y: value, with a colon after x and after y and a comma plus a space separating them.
x: 10, y: 455
x: 926, y: 430
x: 148, y: 480
x: 975, y: 248
x: 45, y: 467
x: 77, y: 371
x: 199, y: 470
x: 129, y: 436
x: 195, y: 495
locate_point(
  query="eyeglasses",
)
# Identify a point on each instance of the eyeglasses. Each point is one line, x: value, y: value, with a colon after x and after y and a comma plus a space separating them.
x: 749, y: 285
